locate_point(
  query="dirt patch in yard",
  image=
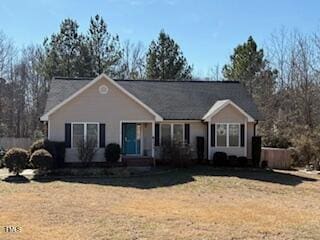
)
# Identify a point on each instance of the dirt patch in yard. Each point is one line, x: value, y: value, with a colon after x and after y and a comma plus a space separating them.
x: 197, y: 203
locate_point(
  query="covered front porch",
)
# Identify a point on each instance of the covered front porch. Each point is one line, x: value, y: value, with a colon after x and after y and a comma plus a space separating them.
x: 137, y: 140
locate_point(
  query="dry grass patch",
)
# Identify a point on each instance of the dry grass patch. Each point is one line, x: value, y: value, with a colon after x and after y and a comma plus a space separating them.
x: 187, y: 204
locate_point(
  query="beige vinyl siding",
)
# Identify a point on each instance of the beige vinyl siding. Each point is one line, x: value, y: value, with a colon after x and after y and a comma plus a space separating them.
x: 91, y: 106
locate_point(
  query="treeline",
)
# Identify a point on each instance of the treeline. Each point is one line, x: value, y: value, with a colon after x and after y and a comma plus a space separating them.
x: 25, y: 74
x: 283, y: 78
x: 285, y: 83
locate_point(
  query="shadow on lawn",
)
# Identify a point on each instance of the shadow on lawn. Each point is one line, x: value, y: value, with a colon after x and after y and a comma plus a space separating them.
x: 142, y: 182
x: 16, y: 179
x: 258, y: 175
x: 181, y: 176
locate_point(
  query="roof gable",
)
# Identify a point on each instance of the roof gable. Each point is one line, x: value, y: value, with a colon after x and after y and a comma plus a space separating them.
x: 220, y: 105
x: 87, y: 85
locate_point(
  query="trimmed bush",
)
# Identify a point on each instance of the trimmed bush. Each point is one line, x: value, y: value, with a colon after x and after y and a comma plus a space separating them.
x: 243, y: 161
x: 220, y: 159
x: 112, y: 152
x: 176, y: 154
x: 37, y: 145
x: 56, y: 149
x: 233, y: 161
x: 16, y: 159
x: 41, y: 159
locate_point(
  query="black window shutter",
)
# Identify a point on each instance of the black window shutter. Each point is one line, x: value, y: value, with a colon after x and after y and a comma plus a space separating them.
x: 157, y: 135
x: 102, y: 137
x: 213, y: 135
x: 187, y: 133
x: 67, y: 135
x: 242, y: 135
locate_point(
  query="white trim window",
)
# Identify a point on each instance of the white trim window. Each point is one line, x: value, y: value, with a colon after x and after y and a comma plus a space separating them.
x: 84, y: 132
x: 172, y: 132
x: 228, y: 135
x: 165, y: 130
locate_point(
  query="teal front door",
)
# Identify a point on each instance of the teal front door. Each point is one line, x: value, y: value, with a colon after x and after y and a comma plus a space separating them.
x: 130, y: 140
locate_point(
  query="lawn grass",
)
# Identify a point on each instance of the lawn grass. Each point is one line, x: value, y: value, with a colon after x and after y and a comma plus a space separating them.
x: 198, y: 203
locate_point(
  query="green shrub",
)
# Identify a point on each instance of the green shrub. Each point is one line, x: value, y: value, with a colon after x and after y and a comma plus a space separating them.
x: 233, y: 161
x: 220, y: 159
x: 112, y: 152
x: 16, y: 160
x: 41, y: 159
x: 243, y: 161
x: 56, y: 149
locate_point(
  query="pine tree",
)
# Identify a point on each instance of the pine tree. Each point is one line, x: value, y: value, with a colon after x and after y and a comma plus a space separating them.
x: 63, y: 51
x: 104, y: 48
x: 248, y: 65
x: 165, y: 60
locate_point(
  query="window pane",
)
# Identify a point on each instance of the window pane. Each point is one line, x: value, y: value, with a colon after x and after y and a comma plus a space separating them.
x: 165, y: 133
x: 178, y: 133
x: 234, y: 132
x: 78, y: 134
x: 92, y: 133
x: 221, y: 135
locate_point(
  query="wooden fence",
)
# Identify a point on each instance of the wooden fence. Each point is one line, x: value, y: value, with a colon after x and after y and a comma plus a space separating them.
x: 276, y: 157
x: 9, y: 142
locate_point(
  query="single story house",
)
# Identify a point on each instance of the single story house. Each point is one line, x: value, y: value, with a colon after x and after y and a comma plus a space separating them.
x: 141, y: 114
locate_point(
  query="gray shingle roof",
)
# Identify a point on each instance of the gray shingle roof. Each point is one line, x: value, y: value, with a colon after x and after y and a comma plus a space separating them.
x: 170, y: 99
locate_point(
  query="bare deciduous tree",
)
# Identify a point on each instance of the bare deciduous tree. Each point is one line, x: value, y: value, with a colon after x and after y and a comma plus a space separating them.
x: 133, y: 61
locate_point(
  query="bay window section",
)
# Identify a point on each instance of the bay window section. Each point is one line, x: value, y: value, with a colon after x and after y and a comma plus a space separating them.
x: 228, y: 134
x: 221, y: 135
x: 234, y: 135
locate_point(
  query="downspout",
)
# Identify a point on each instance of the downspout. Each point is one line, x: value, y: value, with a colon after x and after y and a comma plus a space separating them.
x: 254, y: 128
